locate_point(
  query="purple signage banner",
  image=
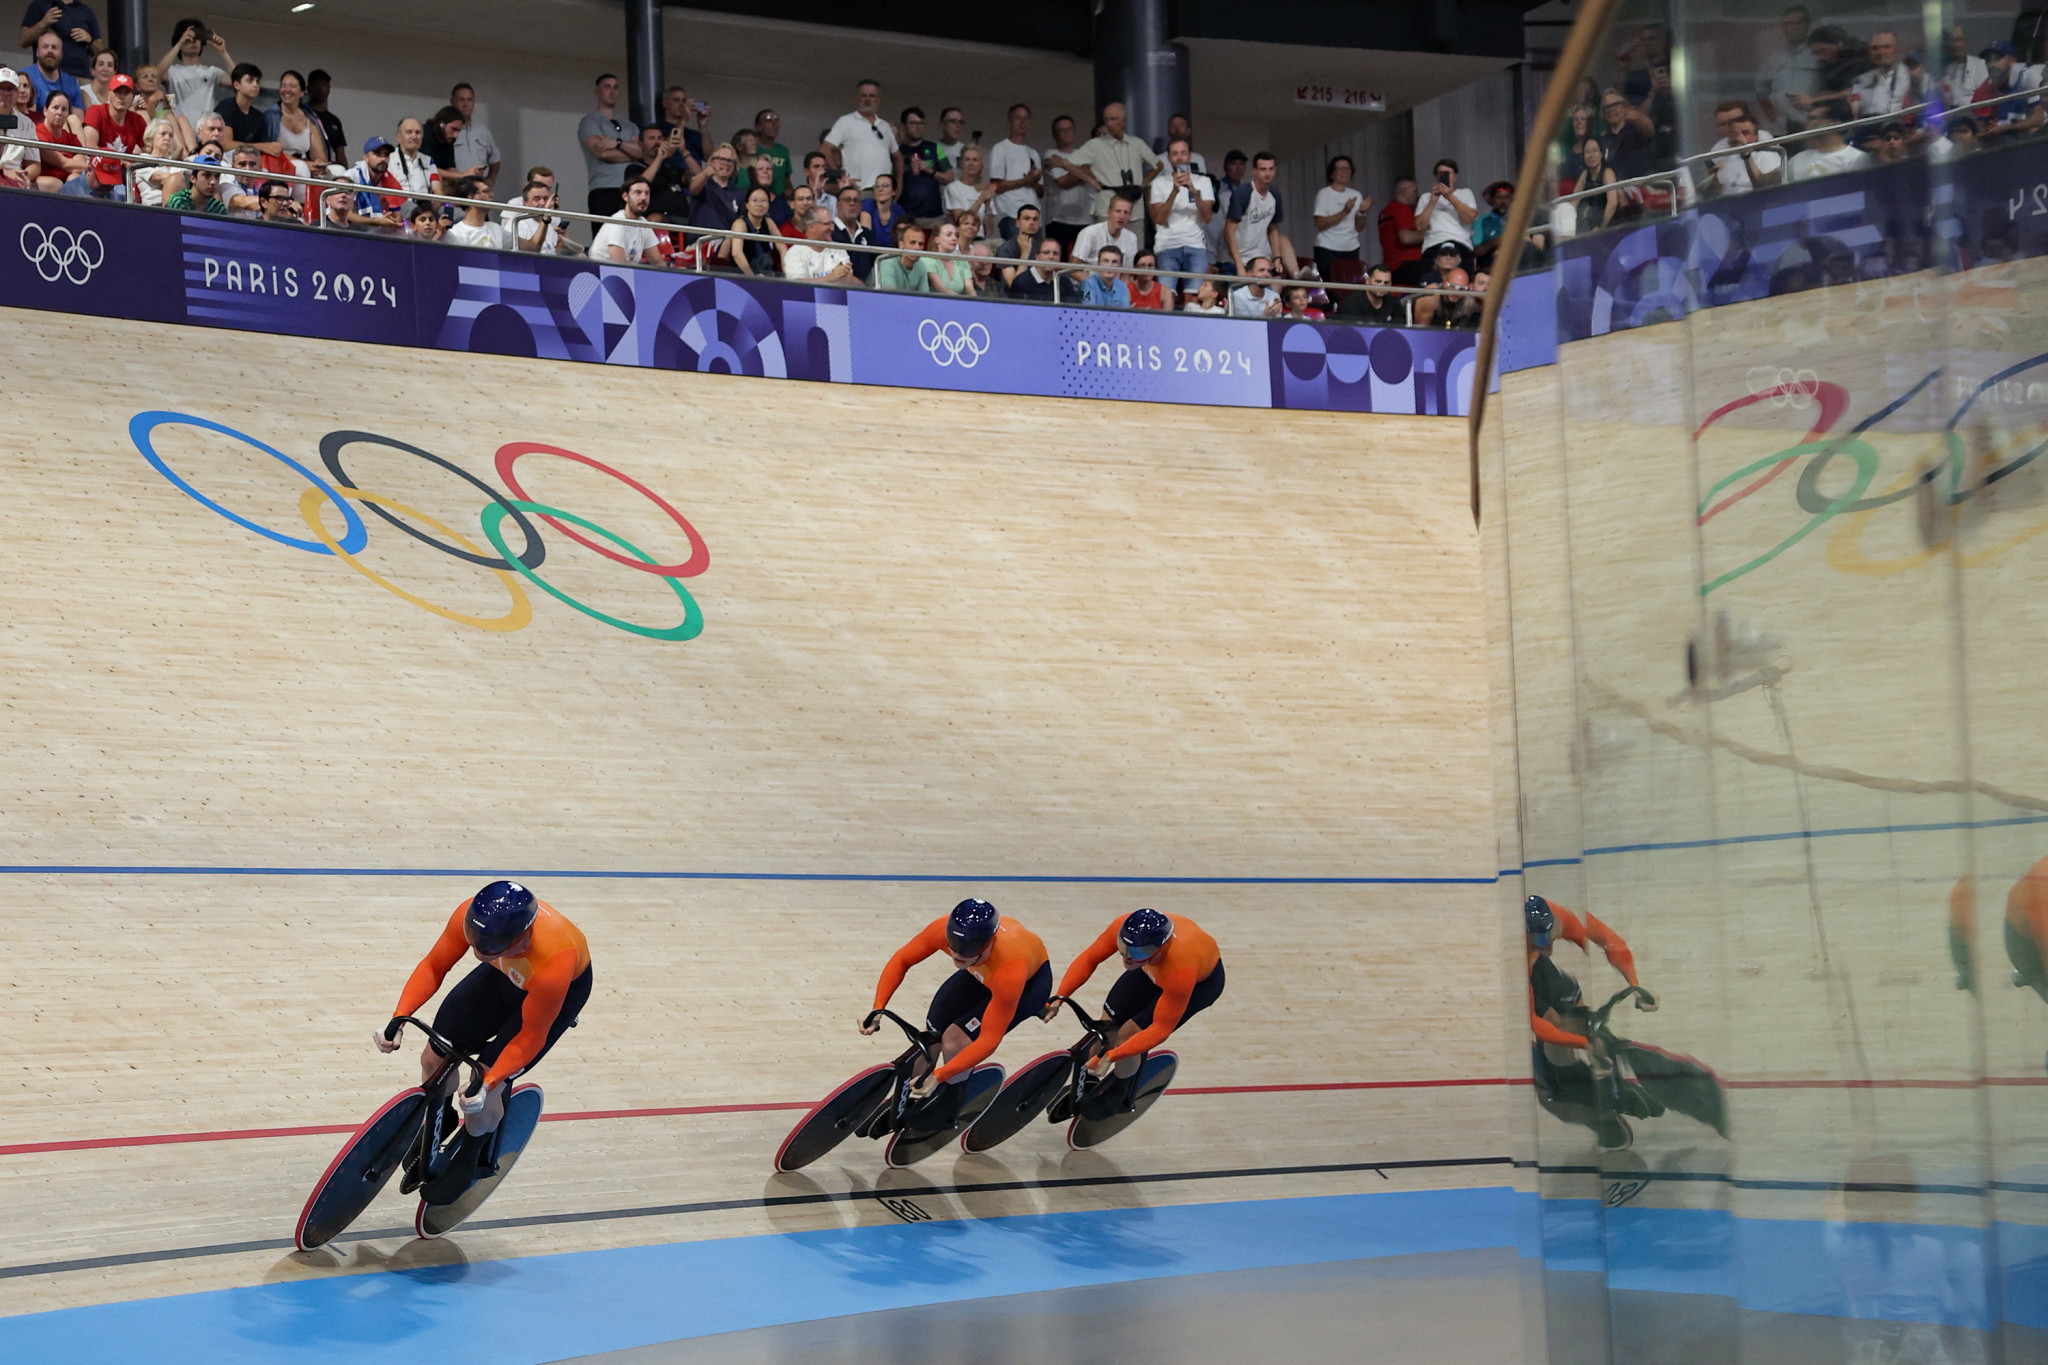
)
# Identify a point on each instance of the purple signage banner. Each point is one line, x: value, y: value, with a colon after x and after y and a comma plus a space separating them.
x: 83, y: 256
x: 1891, y: 220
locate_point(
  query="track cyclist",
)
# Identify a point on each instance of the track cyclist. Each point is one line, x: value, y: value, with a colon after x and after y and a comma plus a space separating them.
x: 533, y: 981
x: 1173, y: 971
x: 1003, y: 977
x: 1568, y: 1069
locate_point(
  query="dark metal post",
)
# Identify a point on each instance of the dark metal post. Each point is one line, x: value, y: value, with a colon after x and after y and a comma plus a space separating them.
x: 128, y: 33
x: 1136, y: 64
x: 644, y: 68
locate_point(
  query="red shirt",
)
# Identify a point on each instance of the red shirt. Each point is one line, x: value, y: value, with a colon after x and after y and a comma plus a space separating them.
x: 792, y: 231
x: 124, y: 135
x: 51, y: 165
x: 1395, y: 219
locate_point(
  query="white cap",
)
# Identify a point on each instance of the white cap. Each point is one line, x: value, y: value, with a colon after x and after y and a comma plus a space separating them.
x: 7, y: 76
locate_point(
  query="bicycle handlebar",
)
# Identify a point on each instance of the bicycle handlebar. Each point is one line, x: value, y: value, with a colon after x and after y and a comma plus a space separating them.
x: 918, y: 1036
x: 1088, y: 1021
x: 441, y: 1045
x: 1598, y: 1018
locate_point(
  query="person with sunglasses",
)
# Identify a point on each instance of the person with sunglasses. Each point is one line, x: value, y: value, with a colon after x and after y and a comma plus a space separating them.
x: 278, y: 206
x: 1173, y: 970
x: 862, y: 143
x: 720, y: 200
x: 1002, y: 976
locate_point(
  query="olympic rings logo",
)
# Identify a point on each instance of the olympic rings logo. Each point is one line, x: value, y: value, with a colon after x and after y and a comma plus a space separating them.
x: 60, y: 254
x: 513, y: 571
x: 1948, y: 468
x: 949, y: 343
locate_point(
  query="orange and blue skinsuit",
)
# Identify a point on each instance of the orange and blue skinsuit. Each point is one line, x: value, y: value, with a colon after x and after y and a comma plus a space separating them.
x: 1014, y: 958
x: 555, y: 957
x: 1188, y: 959
x: 2026, y: 928
x: 1572, y: 930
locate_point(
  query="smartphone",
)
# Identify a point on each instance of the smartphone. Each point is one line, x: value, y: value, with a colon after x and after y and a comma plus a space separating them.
x: 699, y: 105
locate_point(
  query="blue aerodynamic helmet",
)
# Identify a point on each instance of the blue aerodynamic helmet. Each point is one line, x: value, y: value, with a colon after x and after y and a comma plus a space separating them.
x: 498, y: 915
x: 1144, y: 933
x: 971, y: 928
x: 1538, y: 921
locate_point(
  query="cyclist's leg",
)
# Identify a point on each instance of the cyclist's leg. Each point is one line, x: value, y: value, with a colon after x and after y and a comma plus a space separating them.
x: 468, y: 1017
x: 2025, y: 956
x: 1031, y: 1000
x: 1129, y: 1011
x: 955, y: 1013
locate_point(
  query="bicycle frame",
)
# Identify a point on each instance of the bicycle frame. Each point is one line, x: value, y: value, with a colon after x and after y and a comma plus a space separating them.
x: 923, y: 1043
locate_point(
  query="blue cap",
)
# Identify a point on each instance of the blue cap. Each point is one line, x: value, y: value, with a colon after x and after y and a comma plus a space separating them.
x: 205, y: 159
x: 2003, y: 48
x: 376, y: 144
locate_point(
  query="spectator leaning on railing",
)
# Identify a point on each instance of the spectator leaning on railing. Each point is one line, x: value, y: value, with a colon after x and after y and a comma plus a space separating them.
x: 1105, y: 288
x: 1114, y: 231
x: 374, y: 173
x: 59, y: 169
x: 1826, y: 153
x: 852, y: 227
x: 814, y: 258
x: 475, y: 229
x: 627, y: 240
x: 202, y: 192
x: 1253, y: 299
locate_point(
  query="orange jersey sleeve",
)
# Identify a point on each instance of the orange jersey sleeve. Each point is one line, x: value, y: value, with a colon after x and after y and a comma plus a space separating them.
x: 932, y: 939
x: 1186, y: 960
x: 2026, y: 905
x: 1093, y: 956
x: 1013, y: 960
x: 1551, y: 1033
x: 433, y: 969
x: 556, y: 955
x: 1609, y: 942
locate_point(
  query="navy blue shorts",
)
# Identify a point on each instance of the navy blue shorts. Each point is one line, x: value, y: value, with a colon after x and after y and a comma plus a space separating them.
x: 1132, y: 997
x: 961, y: 999
x: 481, y: 1016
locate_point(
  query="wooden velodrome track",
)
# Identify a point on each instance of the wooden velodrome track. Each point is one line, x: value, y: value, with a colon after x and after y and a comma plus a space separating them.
x: 1075, y: 657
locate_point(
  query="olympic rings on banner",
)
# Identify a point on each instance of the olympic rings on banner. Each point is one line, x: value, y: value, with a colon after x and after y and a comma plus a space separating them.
x: 522, y: 605
x: 693, y: 619
x: 700, y: 554
x: 331, y: 444
x: 141, y: 429
x: 508, y: 567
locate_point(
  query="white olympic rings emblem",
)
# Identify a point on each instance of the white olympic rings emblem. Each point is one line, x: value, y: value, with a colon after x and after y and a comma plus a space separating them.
x: 59, y: 254
x: 949, y: 343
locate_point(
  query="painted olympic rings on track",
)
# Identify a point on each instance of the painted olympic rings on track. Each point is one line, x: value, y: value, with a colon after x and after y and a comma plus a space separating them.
x: 507, y: 566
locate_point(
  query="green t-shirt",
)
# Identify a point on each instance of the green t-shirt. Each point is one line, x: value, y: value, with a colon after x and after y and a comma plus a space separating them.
x: 893, y: 274
x: 184, y: 202
x: 778, y: 154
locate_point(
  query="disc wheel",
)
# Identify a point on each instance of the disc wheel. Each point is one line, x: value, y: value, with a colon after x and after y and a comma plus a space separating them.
x: 360, y: 1170
x: 1153, y: 1078
x: 515, y: 1130
x: 1022, y: 1099
x: 909, y: 1147
x: 833, y: 1119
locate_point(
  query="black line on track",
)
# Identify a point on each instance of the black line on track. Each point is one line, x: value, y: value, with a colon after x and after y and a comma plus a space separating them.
x: 766, y: 1201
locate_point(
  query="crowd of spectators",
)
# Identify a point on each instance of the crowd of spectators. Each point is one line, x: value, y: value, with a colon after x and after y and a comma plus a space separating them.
x: 1822, y: 102
x: 1070, y: 220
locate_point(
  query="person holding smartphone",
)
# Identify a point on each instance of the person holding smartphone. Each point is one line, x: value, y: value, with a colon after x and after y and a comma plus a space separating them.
x: 536, y: 230
x: 1447, y: 214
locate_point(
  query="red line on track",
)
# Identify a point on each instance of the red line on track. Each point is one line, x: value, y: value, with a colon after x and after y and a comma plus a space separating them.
x: 320, y: 1129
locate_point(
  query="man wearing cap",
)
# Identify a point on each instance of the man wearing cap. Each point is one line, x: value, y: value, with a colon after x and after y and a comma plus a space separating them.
x: 17, y: 163
x: 374, y: 210
x: 115, y: 127
x: 2011, y: 76
x: 202, y: 189
x: 77, y: 28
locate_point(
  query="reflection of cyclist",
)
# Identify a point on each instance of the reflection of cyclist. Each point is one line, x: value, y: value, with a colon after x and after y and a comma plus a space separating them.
x: 2026, y: 928
x: 1172, y: 972
x: 508, y: 1012
x: 1003, y: 978
x: 1569, y: 1068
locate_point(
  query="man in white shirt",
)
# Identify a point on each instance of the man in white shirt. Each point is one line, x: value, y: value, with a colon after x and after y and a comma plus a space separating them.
x: 414, y: 171
x: 1751, y: 167
x: 1114, y: 231
x: 1179, y: 127
x: 1255, y: 218
x: 540, y: 231
x: 862, y: 144
x: 626, y: 239
x: 1888, y: 86
x: 1181, y: 203
x: 1963, y: 73
x: 1068, y: 199
x: 1113, y: 161
x: 1826, y: 153
x: 475, y: 229
x: 1447, y: 213
x: 1255, y: 300
x: 814, y: 258
x: 1792, y: 70
x: 476, y: 151
x: 1014, y: 167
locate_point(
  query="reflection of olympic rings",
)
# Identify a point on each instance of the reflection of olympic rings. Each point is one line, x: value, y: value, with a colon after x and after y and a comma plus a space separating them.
x: 1844, y: 552
x: 522, y: 606
x: 60, y: 254
x: 949, y: 343
x: 504, y: 564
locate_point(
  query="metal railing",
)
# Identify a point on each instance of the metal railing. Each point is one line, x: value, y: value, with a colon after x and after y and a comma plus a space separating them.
x: 685, y: 231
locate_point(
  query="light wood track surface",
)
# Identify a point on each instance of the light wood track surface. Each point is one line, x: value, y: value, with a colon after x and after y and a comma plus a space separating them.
x: 946, y: 637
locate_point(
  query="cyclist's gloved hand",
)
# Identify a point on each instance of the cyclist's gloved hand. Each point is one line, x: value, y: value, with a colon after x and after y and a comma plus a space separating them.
x: 925, y: 1086
x: 1646, y: 1002
x: 474, y: 1104
x: 869, y: 1026
x: 387, y: 1039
